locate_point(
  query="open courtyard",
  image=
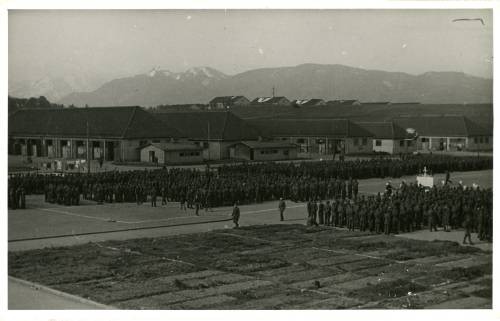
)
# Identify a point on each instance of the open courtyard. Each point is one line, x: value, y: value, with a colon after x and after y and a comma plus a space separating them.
x: 167, y: 258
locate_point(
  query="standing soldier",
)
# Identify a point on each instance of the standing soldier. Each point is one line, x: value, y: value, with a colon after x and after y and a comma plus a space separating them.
x: 350, y: 215
x: 309, y: 212
x: 355, y: 187
x: 387, y: 220
x: 378, y: 219
x: 431, y: 215
x: 468, y: 223
x: 153, y: 196
x: 328, y: 214
x: 349, y: 188
x: 236, y: 215
x: 163, y: 195
x: 321, y: 212
x: 22, y: 196
x: 281, y: 207
x: 315, y: 213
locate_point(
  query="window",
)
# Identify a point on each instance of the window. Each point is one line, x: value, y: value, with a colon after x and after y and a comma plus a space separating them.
x: 408, y: 143
x: 378, y: 142
x: 401, y: 143
x: 424, y: 140
x: 286, y: 152
x: 487, y: 140
x: 480, y: 140
x: 356, y: 142
x: 181, y: 154
x: 156, y: 140
x: 365, y: 141
x: 476, y: 140
x: 205, y: 145
x: 301, y: 141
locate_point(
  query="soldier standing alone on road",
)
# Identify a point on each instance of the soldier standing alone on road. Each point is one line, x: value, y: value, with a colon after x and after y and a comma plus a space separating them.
x: 236, y: 215
x: 281, y: 207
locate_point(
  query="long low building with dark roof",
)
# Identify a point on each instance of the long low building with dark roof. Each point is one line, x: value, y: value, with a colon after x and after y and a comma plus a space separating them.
x: 317, y: 136
x: 114, y: 133
x: 215, y: 131
x: 448, y: 133
x: 390, y: 138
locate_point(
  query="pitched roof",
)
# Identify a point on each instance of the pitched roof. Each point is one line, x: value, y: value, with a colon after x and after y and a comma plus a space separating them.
x: 173, y: 146
x: 269, y: 100
x: 309, y: 102
x: 223, y: 125
x: 345, y: 102
x: 384, y: 130
x: 226, y: 100
x: 265, y: 145
x: 443, y: 126
x: 340, y: 128
x: 104, y: 122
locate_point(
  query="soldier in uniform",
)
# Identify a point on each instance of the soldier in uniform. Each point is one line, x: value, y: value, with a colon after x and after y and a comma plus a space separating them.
x: 22, y: 197
x: 355, y: 187
x: 321, y: 212
x: 281, y: 208
x: 328, y: 214
x: 468, y: 225
x: 387, y: 220
x: 236, y: 215
x: 153, y: 196
x: 314, y: 213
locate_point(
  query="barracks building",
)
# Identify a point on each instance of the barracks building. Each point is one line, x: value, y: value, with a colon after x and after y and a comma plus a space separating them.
x: 318, y: 136
x: 448, y: 133
x: 113, y: 133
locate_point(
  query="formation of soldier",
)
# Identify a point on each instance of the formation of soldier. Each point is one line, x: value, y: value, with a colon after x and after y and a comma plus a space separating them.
x: 245, y: 183
x: 409, y: 208
x: 16, y: 197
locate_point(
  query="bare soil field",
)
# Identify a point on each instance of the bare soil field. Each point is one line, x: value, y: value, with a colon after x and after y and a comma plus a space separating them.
x: 266, y: 267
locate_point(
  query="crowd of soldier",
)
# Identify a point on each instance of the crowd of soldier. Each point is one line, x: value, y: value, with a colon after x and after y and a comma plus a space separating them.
x: 410, y: 208
x: 246, y: 183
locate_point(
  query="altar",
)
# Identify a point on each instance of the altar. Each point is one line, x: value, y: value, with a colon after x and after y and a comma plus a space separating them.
x: 425, y: 179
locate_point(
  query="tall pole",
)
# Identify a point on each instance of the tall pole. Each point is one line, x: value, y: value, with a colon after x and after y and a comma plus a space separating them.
x: 88, y: 139
x: 208, y: 139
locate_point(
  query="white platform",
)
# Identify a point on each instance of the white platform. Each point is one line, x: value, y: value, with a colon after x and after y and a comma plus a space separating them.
x: 425, y: 180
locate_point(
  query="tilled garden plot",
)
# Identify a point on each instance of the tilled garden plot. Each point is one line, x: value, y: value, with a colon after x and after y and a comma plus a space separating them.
x: 266, y: 267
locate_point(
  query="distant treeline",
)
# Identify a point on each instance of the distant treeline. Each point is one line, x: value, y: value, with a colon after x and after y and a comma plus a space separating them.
x: 22, y: 103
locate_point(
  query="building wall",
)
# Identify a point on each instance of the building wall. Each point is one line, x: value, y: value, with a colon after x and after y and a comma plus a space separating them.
x: 184, y: 157
x: 129, y: 150
x: 480, y: 143
x: 158, y: 153
x: 386, y: 145
x: 358, y: 145
x: 269, y: 154
x: 239, y: 151
x: 407, y: 147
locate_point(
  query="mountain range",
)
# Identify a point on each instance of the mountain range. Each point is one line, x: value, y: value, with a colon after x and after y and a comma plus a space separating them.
x: 201, y: 84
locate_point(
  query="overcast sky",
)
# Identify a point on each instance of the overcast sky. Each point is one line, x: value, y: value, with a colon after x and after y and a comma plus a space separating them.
x: 120, y: 43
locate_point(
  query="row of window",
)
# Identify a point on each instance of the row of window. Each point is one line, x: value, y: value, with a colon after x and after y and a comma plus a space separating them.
x: 477, y: 140
x: 286, y: 152
x: 364, y: 141
x: 188, y: 154
x: 481, y: 140
x: 269, y: 151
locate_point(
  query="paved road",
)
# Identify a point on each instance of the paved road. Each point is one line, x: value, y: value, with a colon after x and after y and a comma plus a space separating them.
x: 264, y: 213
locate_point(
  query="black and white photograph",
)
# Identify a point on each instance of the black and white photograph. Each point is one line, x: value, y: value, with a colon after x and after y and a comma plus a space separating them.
x: 249, y: 159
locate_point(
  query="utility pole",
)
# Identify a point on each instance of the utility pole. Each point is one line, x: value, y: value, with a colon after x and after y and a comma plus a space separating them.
x: 274, y: 92
x: 88, y: 139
